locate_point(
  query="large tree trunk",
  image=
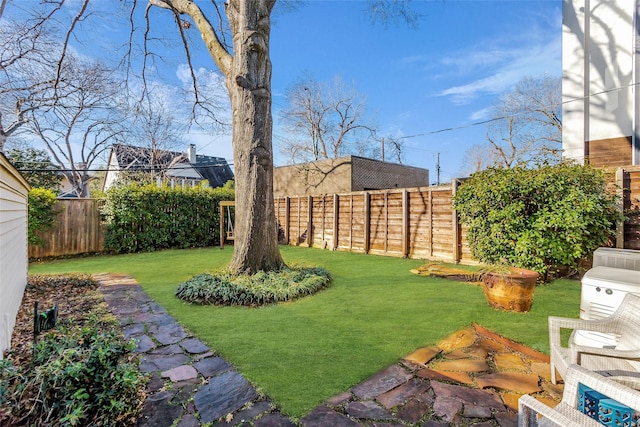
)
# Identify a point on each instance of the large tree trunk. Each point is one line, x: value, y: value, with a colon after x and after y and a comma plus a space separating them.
x: 249, y: 85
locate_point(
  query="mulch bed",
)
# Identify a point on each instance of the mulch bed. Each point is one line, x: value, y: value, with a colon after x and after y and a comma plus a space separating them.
x: 74, y: 304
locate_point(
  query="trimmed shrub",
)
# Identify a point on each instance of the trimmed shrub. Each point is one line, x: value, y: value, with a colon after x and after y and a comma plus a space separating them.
x: 150, y: 218
x: 545, y: 219
x: 224, y: 288
x: 42, y: 214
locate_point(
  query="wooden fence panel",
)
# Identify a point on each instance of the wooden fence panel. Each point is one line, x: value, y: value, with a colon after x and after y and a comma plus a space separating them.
x: 632, y: 208
x: 78, y: 230
x: 322, y: 222
x: 411, y: 222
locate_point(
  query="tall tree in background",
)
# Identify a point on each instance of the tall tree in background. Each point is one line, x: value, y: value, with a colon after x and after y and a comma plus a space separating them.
x: 527, y: 123
x: 246, y: 66
x: 27, y: 72
x: 325, y: 121
x: 84, y: 121
x: 36, y: 166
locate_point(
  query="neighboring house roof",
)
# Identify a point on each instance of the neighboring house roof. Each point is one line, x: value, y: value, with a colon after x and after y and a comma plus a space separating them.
x: 188, y: 165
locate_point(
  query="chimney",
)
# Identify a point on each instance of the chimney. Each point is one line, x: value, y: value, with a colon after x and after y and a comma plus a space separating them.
x: 191, y: 153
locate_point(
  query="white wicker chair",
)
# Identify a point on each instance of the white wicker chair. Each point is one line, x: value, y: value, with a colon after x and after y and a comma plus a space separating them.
x: 621, y: 363
x: 532, y: 412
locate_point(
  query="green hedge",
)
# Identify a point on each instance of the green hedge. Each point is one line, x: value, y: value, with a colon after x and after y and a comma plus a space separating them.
x: 545, y: 219
x: 42, y: 213
x: 149, y: 218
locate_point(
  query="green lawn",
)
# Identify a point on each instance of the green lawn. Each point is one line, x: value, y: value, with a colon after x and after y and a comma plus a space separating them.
x: 302, y: 353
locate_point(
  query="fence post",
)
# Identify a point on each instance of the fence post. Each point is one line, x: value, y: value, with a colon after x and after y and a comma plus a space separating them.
x: 287, y: 219
x: 430, y: 223
x: 620, y: 201
x: 336, y: 212
x: 367, y: 222
x: 405, y: 223
x: 310, y: 221
x: 455, y: 225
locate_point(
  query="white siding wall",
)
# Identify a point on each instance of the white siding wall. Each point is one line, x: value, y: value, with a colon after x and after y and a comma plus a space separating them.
x: 13, y: 247
x: 597, y: 62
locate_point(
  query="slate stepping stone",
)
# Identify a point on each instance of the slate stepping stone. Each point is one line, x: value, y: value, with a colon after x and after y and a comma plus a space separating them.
x: 468, y: 396
x: 381, y: 382
x: 542, y: 369
x: 246, y: 415
x: 322, y: 416
x: 161, y: 362
x: 157, y: 411
x: 474, y: 411
x: 180, y: 373
x: 273, y: 420
x: 340, y: 399
x: 368, y: 410
x: 506, y: 419
x: 456, y: 354
x: 460, y: 339
x: 144, y: 344
x: 132, y: 331
x: 424, y: 355
x: 194, y: 346
x: 170, y: 335
x: 211, y: 366
x: 400, y: 394
x: 447, y: 408
x: 510, y: 381
x: 458, y: 377
x: 224, y: 394
x: 155, y: 383
x: 168, y: 350
x: 509, y: 361
x: 468, y: 365
x: 189, y: 421
x: 414, y: 410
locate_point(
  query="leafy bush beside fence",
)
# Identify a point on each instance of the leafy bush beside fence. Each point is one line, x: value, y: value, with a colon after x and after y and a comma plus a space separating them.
x: 42, y: 213
x: 545, y: 219
x: 149, y: 218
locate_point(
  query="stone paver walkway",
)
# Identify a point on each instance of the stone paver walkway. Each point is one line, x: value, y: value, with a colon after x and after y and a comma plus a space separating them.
x: 473, y: 377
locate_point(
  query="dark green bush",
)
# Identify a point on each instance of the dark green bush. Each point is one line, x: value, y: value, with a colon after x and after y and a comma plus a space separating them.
x: 545, y: 219
x: 150, y: 218
x: 78, y: 376
x: 42, y: 213
x: 224, y: 288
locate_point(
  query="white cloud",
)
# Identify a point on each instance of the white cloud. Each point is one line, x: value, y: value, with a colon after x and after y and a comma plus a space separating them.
x: 507, y: 68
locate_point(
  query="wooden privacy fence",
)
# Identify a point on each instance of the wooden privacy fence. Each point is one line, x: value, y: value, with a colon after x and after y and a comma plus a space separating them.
x: 415, y: 222
x: 628, y: 181
x: 78, y: 230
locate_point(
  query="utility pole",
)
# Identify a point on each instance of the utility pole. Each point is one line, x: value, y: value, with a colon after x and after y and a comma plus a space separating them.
x: 383, y: 149
x: 438, y: 169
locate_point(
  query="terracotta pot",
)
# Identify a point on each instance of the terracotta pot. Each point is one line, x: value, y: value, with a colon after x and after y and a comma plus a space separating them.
x: 510, y: 291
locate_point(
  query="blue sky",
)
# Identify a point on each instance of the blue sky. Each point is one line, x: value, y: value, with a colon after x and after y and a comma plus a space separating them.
x: 444, y: 74
x: 418, y: 82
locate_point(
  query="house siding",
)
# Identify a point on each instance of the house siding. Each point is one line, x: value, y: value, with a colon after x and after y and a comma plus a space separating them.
x: 14, y: 192
x: 598, y: 56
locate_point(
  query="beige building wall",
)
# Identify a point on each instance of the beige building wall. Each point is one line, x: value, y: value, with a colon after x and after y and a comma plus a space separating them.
x: 369, y: 174
x: 345, y: 175
x: 14, y: 192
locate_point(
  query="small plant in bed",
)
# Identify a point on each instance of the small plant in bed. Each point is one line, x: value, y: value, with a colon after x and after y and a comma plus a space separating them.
x: 225, y: 288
